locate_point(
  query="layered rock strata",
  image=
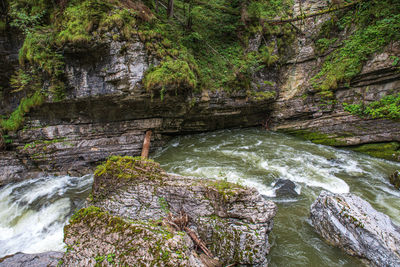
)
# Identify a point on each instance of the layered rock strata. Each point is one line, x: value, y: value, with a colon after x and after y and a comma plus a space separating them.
x: 300, y: 109
x: 107, y: 111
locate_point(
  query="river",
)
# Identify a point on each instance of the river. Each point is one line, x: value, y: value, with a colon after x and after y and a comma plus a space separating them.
x: 32, y: 213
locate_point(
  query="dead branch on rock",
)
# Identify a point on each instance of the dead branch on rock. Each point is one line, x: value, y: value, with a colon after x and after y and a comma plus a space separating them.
x: 180, y: 224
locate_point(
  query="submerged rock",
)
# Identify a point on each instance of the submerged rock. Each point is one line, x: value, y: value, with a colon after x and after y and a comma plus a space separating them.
x: 138, y: 197
x: 395, y: 179
x: 48, y: 259
x: 350, y: 223
x: 285, y: 188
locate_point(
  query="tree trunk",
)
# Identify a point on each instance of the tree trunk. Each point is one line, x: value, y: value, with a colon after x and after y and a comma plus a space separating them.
x: 170, y: 10
x: 146, y: 145
x: 189, y: 20
x: 156, y: 4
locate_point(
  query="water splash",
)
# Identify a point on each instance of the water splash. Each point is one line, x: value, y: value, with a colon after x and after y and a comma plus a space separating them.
x: 33, y: 212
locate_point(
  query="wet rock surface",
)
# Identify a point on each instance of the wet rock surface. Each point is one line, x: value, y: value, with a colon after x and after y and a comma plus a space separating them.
x: 233, y: 221
x: 352, y: 224
x: 48, y: 259
x: 285, y: 188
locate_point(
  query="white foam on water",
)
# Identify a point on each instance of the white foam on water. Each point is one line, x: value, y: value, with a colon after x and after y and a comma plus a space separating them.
x: 306, y: 172
x: 36, y: 231
x: 230, y: 175
x: 34, y: 212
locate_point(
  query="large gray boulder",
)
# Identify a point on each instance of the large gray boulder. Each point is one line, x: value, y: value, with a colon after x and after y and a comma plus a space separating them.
x: 352, y: 224
x: 232, y: 221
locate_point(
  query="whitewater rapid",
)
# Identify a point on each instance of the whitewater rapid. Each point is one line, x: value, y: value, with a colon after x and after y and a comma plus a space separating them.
x: 34, y: 212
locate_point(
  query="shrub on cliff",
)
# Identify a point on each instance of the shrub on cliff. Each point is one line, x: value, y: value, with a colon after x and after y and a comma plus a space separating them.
x: 374, y: 24
x: 171, y: 73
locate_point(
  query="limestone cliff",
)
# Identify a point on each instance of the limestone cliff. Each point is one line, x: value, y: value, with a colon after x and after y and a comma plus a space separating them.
x: 107, y: 105
x: 301, y: 110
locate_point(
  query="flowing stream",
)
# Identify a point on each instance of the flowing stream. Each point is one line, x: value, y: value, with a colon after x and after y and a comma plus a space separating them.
x: 32, y: 213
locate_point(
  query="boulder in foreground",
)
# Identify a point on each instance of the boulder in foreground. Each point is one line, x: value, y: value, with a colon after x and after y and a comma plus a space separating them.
x: 352, y: 224
x: 140, y: 215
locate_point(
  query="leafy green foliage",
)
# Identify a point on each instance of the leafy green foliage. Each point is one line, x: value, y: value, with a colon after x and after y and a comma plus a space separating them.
x: 213, y: 39
x: 387, y: 107
x: 16, y: 119
x: 27, y: 14
x: 378, y: 23
x: 23, y: 81
x: 323, y: 44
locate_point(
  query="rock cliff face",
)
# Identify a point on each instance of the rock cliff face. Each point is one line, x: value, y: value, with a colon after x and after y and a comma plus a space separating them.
x: 106, y: 110
x: 10, y: 42
x: 233, y: 221
x: 348, y: 222
x: 301, y: 111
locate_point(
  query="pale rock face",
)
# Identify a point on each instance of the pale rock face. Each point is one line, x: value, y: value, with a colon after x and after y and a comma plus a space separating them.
x: 352, y: 224
x: 119, y: 68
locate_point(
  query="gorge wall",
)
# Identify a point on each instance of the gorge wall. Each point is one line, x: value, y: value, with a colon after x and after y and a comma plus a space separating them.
x: 107, y: 112
x: 301, y: 110
x: 106, y: 109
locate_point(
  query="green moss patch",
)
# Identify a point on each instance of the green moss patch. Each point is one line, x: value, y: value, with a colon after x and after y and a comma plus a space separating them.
x: 226, y: 190
x: 95, y: 236
x: 16, y: 119
x: 317, y: 137
x: 118, y: 171
x: 389, y: 151
x: 171, y: 73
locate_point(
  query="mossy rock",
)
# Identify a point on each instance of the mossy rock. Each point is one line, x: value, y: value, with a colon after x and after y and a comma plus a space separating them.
x: 389, y: 151
x: 395, y: 179
x: 118, y: 171
x: 94, y: 237
x: 317, y: 137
